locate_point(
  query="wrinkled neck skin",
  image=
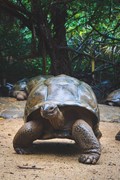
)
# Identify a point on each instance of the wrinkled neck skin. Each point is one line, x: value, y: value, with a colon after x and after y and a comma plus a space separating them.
x: 57, y: 119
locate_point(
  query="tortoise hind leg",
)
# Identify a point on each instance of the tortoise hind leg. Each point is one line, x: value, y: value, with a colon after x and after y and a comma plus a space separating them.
x: 25, y: 136
x: 87, y: 141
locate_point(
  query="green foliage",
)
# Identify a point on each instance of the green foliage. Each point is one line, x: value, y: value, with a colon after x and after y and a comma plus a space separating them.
x: 15, y: 42
x: 22, y: 69
x: 92, y: 32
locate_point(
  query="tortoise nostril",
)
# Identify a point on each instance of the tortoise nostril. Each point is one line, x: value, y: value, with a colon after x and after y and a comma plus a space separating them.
x: 51, y: 108
x: 48, y: 108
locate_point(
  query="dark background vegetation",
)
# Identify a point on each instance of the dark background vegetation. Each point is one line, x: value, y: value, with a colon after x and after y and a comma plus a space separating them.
x: 74, y: 37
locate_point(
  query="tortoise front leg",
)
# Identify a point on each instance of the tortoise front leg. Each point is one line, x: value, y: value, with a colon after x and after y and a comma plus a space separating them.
x: 25, y: 136
x: 89, y: 144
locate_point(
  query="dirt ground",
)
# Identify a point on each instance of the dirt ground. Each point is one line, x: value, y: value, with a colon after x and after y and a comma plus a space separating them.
x: 58, y: 159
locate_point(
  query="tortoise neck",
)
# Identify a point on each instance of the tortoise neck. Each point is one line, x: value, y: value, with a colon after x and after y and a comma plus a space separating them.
x: 57, y: 121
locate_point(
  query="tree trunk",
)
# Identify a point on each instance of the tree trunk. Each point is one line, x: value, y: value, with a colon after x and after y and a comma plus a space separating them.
x: 55, y: 46
x: 37, y: 22
x: 59, y: 13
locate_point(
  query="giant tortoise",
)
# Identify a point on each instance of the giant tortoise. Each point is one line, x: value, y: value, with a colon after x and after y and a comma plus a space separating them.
x: 22, y: 88
x: 61, y: 107
x: 113, y: 99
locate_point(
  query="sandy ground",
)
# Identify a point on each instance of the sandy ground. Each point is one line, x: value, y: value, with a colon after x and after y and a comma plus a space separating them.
x: 58, y: 159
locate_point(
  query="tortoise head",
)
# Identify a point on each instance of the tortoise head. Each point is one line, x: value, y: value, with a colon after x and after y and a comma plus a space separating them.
x: 53, y: 114
x: 49, y: 110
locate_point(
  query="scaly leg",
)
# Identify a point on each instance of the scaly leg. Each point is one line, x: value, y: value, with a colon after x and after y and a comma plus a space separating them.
x: 25, y: 136
x: 86, y: 140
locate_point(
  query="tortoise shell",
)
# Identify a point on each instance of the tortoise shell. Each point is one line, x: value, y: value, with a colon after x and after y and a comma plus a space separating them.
x: 33, y: 81
x: 20, y: 85
x: 62, y: 90
x: 114, y: 98
x: 27, y: 84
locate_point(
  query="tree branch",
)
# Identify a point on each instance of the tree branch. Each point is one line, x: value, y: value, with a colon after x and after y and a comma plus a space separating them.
x: 62, y: 1
x: 16, y: 11
x: 104, y: 35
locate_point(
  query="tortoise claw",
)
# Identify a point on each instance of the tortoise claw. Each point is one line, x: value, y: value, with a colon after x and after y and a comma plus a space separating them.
x: 89, y: 158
